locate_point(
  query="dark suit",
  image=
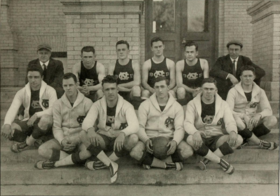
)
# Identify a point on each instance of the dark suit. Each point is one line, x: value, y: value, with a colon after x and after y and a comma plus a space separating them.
x: 54, y: 74
x: 223, y: 66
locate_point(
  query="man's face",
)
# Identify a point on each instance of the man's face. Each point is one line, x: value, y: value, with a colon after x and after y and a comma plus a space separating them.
x: 157, y: 48
x: 191, y: 53
x: 234, y: 50
x: 161, y: 89
x: 247, y: 77
x: 88, y: 58
x: 34, y: 79
x: 44, y: 55
x: 110, y: 91
x: 69, y: 86
x: 122, y: 51
x: 208, y: 91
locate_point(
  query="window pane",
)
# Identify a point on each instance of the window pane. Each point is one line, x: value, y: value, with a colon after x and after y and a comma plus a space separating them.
x: 196, y: 16
x: 163, y: 15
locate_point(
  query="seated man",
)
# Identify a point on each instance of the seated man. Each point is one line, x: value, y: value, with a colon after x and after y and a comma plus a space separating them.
x: 37, y: 98
x: 128, y: 74
x: 190, y: 73
x: 157, y: 66
x: 245, y: 99
x: 161, y: 131
x: 68, y: 114
x: 226, y: 69
x: 90, y: 73
x: 207, y: 116
x: 110, y: 124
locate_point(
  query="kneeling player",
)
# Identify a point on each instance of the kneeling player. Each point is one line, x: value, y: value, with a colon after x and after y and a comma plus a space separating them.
x: 110, y: 124
x: 161, y: 131
x: 245, y: 99
x: 37, y: 98
x: 68, y: 114
x: 206, y: 115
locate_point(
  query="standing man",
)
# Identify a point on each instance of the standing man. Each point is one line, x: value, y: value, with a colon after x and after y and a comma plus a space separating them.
x: 157, y: 66
x: 251, y: 109
x: 110, y: 125
x: 226, y: 69
x: 52, y: 69
x: 207, y: 118
x: 161, y: 130
x: 68, y: 115
x: 37, y: 99
x: 190, y: 73
x: 90, y: 73
x: 127, y: 73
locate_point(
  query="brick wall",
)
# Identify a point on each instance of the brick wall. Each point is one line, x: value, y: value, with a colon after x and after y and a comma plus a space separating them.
x: 235, y: 23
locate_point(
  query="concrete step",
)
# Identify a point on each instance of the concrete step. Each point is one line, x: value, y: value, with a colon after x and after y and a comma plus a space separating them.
x: 140, y: 190
x: 26, y: 174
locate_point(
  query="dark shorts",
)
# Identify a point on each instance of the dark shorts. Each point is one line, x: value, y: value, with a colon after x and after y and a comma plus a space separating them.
x: 24, y: 127
x: 211, y: 142
x: 109, y: 142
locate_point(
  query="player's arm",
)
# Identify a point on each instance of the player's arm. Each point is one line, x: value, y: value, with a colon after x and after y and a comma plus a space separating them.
x: 264, y: 105
x: 143, y: 117
x: 132, y: 121
x: 76, y: 70
x: 91, y: 117
x: 100, y: 69
x: 145, y: 74
x: 178, y: 123
x: 171, y: 67
x: 179, y: 76
x: 205, y: 68
x: 230, y: 123
x: 190, y: 119
x: 231, y: 101
x: 52, y: 98
x: 136, y: 80
x: 57, y: 122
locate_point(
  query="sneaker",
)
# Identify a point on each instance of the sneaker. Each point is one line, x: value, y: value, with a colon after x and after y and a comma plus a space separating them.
x: 114, y: 171
x: 228, y: 168
x: 44, y: 164
x: 146, y: 166
x: 19, y: 147
x: 95, y: 165
x: 268, y: 145
x: 177, y: 165
x: 202, y: 164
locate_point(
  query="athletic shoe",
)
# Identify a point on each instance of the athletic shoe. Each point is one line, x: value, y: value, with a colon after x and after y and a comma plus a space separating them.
x: 228, y: 168
x: 202, y: 164
x: 114, y: 171
x: 19, y: 147
x: 268, y: 145
x: 44, y: 164
x: 146, y: 166
x: 95, y: 165
x: 177, y: 165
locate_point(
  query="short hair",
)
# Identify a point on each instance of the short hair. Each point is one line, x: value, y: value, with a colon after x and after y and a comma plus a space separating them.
x: 209, y: 80
x: 34, y: 67
x: 109, y: 79
x: 247, y: 68
x: 70, y: 75
x: 191, y: 43
x: 88, y: 49
x: 156, y: 39
x: 161, y: 78
x: 122, y: 42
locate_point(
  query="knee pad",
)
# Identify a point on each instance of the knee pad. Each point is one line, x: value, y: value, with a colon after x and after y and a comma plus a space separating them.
x: 76, y: 158
x: 94, y: 150
x: 203, y: 150
x: 245, y: 134
x: 225, y: 149
x: 37, y: 132
x: 121, y: 153
x: 260, y: 130
x: 55, y: 155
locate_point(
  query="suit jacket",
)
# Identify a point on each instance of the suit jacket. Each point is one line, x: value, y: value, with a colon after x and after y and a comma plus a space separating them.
x: 223, y: 66
x: 54, y: 73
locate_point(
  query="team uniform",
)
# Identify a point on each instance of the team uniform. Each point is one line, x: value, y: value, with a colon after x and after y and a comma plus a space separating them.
x: 158, y: 69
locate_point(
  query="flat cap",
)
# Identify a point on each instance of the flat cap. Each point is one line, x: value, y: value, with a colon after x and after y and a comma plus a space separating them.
x: 44, y: 46
x: 235, y: 42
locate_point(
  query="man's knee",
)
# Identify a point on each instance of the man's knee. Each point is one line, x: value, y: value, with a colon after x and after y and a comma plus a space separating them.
x: 240, y: 124
x: 181, y: 93
x: 15, y: 126
x: 136, y: 91
x: 145, y: 94
x: 131, y: 141
x: 185, y: 150
x: 270, y: 121
x: 138, y: 151
x: 189, y: 140
x: 239, y: 141
x: 45, y: 122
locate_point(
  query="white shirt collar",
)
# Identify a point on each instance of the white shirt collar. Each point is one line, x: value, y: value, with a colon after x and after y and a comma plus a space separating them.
x: 234, y: 59
x: 46, y: 63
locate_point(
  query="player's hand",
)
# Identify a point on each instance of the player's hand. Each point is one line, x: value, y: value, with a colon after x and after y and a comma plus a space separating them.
x: 255, y: 119
x: 197, y: 140
x: 232, y: 138
x: 31, y: 120
x: 233, y: 79
x: 67, y: 145
x: 149, y: 145
x: 93, y: 138
x: 172, y: 147
x: 6, y: 131
x: 119, y: 142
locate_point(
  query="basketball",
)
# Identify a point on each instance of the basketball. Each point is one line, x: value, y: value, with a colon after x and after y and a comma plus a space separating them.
x: 160, y: 147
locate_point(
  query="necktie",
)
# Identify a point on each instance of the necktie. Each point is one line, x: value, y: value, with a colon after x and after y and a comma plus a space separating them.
x: 233, y: 68
x: 44, y: 71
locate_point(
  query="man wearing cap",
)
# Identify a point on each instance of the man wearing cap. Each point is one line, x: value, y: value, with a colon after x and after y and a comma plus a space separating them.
x: 226, y: 69
x: 52, y: 69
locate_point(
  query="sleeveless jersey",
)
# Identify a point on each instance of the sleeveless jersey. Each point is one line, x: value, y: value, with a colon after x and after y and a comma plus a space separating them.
x: 124, y: 73
x: 88, y: 77
x: 192, y: 75
x: 158, y: 69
